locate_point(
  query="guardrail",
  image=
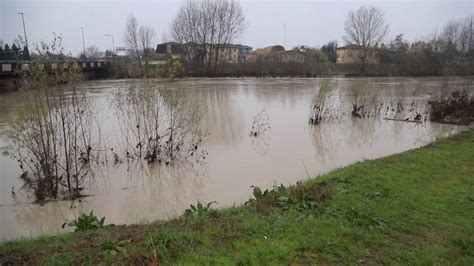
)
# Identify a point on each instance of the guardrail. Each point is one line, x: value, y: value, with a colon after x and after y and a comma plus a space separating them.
x: 12, y: 68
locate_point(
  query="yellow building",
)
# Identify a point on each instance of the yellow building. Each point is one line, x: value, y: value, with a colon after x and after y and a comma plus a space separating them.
x: 231, y: 53
x: 352, y: 54
x: 262, y: 52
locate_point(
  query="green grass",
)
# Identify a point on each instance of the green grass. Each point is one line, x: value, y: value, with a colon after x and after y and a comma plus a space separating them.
x: 412, y: 208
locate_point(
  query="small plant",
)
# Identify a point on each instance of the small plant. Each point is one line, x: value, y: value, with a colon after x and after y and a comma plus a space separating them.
x: 466, y: 246
x: 86, y: 222
x: 258, y: 194
x: 199, y: 210
x: 281, y: 189
x: 110, y: 248
x: 357, y: 218
x: 169, y: 243
x: 305, y: 202
x: 260, y: 124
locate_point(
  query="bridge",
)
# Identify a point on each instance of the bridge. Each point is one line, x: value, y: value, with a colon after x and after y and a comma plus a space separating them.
x: 12, y: 68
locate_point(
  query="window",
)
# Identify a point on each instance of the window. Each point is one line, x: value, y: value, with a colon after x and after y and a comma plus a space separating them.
x: 6, y: 67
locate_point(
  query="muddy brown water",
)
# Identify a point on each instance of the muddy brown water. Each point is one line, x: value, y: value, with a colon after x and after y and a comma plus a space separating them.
x: 289, y: 151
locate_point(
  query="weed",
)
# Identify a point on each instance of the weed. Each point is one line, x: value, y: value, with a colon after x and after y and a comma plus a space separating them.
x: 356, y: 218
x: 169, y: 242
x: 199, y: 210
x: 86, y: 222
x: 110, y: 248
x: 465, y: 245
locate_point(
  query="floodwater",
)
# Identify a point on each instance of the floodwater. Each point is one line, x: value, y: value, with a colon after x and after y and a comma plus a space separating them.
x: 290, y: 150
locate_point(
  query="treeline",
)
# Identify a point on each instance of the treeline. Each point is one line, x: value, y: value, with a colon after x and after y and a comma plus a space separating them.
x: 451, y: 52
x: 14, y: 52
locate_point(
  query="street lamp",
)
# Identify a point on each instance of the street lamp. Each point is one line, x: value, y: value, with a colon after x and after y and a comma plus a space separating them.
x: 24, y: 28
x: 113, y: 43
x: 83, y: 44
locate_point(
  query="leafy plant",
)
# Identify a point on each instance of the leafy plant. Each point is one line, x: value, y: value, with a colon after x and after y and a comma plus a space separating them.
x: 306, y: 202
x: 361, y: 219
x: 258, y: 194
x: 279, y: 189
x: 111, y: 248
x: 199, y: 210
x: 86, y: 222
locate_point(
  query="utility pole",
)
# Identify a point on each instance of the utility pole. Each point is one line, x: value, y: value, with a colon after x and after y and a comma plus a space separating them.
x: 284, y: 35
x: 113, y: 43
x: 24, y: 28
x: 83, y: 44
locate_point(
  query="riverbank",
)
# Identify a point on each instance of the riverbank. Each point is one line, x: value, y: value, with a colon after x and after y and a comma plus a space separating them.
x: 416, y: 207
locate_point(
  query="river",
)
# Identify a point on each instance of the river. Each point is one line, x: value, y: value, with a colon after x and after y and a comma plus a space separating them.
x: 288, y: 151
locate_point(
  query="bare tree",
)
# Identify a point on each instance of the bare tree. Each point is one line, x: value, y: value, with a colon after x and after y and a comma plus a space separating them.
x: 146, y: 36
x: 131, y: 36
x: 139, y: 39
x: 51, y: 134
x: 457, y: 34
x: 366, y: 28
x: 93, y: 52
x: 207, y: 28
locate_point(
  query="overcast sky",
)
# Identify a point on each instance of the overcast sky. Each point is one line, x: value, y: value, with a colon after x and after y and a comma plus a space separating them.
x: 310, y: 23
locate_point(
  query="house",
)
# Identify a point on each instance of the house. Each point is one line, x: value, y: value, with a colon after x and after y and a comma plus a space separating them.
x: 227, y: 53
x: 292, y: 56
x: 159, y: 59
x: 122, y: 55
x: 174, y: 50
x: 352, y: 54
x: 230, y: 53
x: 263, y: 52
x: 244, y: 51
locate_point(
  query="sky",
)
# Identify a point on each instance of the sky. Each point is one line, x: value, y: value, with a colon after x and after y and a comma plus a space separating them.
x: 311, y: 23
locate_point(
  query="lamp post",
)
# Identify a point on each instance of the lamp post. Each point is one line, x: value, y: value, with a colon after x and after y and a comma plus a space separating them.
x: 24, y: 28
x: 83, y: 43
x: 113, y: 43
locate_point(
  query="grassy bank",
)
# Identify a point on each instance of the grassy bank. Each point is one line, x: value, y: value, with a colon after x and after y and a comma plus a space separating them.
x: 413, y: 208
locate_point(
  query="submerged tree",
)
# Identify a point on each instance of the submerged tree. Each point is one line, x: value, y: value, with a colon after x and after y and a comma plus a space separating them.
x: 50, y: 135
x: 365, y: 28
x: 158, y: 125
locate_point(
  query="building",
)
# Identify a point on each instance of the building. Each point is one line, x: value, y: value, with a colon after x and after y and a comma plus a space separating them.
x: 244, y: 51
x: 230, y: 53
x: 352, y: 54
x: 264, y: 52
x: 172, y: 49
x: 292, y: 56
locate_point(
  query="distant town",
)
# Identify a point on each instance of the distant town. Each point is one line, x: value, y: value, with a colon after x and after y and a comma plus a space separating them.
x: 203, y: 50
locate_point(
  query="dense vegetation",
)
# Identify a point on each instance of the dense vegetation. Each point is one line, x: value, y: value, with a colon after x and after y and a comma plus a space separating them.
x: 15, y: 52
x: 412, y: 208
